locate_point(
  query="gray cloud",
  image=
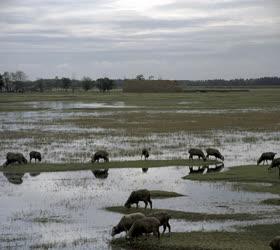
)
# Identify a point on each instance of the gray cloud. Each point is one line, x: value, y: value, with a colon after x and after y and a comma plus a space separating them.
x: 181, y: 40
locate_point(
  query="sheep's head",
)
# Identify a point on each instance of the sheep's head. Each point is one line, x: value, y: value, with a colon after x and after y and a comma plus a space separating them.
x: 127, y: 205
x: 114, y: 231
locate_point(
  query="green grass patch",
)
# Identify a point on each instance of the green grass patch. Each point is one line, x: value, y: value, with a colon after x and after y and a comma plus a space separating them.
x: 158, y: 194
x: 41, y: 216
x: 55, y: 167
x: 51, y: 219
x: 255, y: 110
x: 188, y: 216
x: 249, y: 178
x: 46, y: 246
x: 274, y: 202
x: 255, y: 237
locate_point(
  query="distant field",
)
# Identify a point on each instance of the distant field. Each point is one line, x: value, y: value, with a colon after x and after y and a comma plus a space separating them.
x: 257, y: 109
x: 67, y: 128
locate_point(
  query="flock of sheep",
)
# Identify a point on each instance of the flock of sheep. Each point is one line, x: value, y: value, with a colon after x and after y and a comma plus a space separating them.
x: 102, y: 154
x: 137, y: 224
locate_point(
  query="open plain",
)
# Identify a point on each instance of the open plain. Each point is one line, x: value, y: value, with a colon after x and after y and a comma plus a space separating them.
x: 59, y: 203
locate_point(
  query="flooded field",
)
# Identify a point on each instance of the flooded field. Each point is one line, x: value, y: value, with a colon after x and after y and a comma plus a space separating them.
x: 50, y: 131
x: 67, y: 209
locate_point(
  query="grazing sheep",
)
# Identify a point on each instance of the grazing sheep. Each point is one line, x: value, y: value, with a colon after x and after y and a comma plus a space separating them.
x: 14, y: 178
x: 15, y: 157
x: 100, y: 173
x: 197, y: 170
x: 275, y: 243
x: 145, y: 152
x: 217, y: 168
x: 101, y: 154
x: 214, y: 152
x: 163, y: 218
x: 265, y: 157
x: 145, y: 226
x: 35, y: 155
x: 139, y: 195
x: 197, y: 152
x: 145, y: 170
x: 126, y: 223
x: 275, y: 163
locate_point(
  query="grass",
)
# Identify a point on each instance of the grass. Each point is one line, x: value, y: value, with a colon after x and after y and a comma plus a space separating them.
x: 164, y: 105
x: 255, y: 237
x: 157, y: 114
x: 55, y: 167
x: 42, y: 216
x: 269, y: 98
x: 64, y: 244
x: 274, y: 202
x: 188, y: 216
x: 48, y: 220
x: 159, y: 194
x: 247, y: 177
x: 49, y: 245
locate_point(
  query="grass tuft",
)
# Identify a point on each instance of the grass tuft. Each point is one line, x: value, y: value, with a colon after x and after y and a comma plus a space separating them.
x: 188, y: 216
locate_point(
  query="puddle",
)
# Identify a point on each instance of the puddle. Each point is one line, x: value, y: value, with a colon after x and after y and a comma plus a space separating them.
x: 66, y: 207
x: 59, y: 105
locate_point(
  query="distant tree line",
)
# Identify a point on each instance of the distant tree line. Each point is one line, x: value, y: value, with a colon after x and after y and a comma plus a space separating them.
x: 12, y: 81
x: 18, y: 82
x: 234, y: 82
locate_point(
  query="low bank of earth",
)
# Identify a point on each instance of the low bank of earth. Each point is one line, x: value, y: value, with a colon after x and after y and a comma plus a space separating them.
x: 55, y: 167
x: 250, y: 237
x: 255, y: 237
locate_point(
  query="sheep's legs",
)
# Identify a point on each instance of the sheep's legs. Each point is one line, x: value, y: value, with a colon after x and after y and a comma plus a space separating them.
x: 151, y: 204
x: 164, y: 228
x: 169, y: 227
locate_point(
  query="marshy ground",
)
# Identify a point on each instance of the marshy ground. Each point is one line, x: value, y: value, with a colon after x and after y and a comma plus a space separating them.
x: 73, y: 209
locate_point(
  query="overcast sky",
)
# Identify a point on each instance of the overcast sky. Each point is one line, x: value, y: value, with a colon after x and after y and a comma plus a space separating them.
x: 171, y: 39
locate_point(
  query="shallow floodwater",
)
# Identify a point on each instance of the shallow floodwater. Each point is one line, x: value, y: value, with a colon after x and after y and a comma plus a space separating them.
x: 65, y: 209
x: 45, y: 130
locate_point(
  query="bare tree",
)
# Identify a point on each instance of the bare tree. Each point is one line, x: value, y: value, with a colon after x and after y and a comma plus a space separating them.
x: 87, y: 83
x: 66, y: 82
x: 140, y: 77
x: 19, y: 76
x: 104, y: 84
x: 7, y: 81
x: 1, y: 83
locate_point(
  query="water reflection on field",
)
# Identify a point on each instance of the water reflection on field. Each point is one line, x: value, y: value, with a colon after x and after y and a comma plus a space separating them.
x: 66, y: 208
x: 48, y: 129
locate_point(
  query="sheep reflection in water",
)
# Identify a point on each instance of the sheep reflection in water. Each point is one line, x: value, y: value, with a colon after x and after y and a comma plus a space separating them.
x: 14, y: 178
x: 210, y: 168
x: 100, y: 173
